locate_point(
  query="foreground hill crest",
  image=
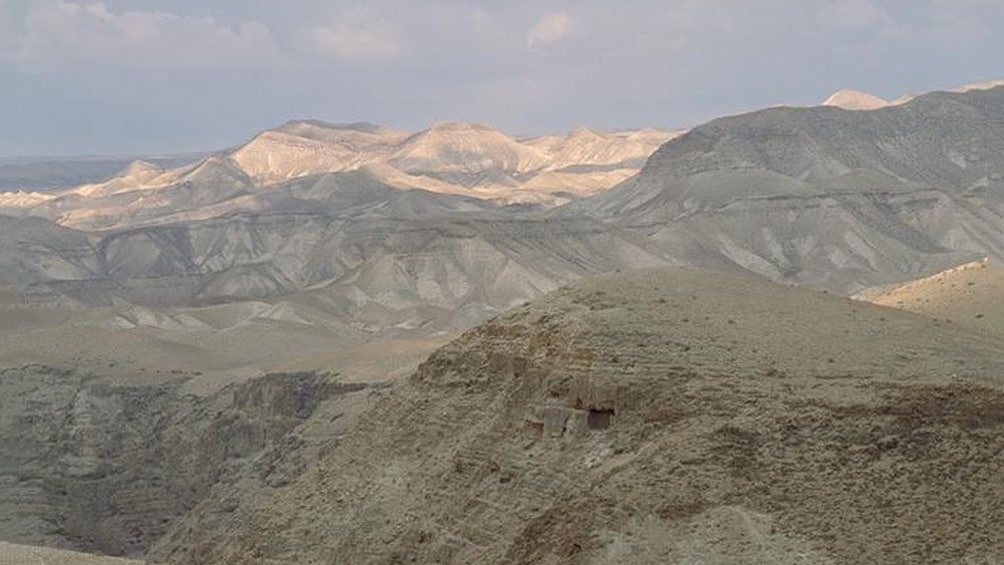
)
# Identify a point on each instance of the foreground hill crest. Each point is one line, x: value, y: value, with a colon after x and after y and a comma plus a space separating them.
x: 659, y: 416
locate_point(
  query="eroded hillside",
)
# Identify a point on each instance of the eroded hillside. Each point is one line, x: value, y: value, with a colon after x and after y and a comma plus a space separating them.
x: 451, y: 158
x: 105, y: 466
x: 662, y: 416
x: 826, y: 196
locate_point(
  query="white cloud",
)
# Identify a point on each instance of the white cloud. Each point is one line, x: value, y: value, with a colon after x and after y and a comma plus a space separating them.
x: 356, y: 36
x: 549, y: 28
x: 62, y: 34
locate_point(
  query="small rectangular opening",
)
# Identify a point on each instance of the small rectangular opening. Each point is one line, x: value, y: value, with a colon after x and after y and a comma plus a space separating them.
x: 599, y: 418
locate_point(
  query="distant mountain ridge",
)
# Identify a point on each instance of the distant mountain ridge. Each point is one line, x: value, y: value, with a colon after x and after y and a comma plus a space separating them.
x: 47, y: 173
x: 448, y: 158
x: 850, y: 99
x: 444, y: 227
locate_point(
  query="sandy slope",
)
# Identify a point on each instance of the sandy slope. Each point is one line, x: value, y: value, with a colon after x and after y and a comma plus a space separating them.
x: 970, y: 295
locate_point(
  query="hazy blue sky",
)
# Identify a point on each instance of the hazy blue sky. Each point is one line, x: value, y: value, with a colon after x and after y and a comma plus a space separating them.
x: 140, y: 76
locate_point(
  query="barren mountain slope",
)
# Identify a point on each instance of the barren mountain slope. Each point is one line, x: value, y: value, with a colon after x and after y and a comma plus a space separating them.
x: 970, y: 295
x: 468, y: 154
x: 825, y: 196
x: 450, y: 158
x: 660, y: 416
x: 104, y: 465
x: 303, y: 148
x: 585, y: 147
x: 381, y: 256
x: 114, y: 421
x: 34, y: 249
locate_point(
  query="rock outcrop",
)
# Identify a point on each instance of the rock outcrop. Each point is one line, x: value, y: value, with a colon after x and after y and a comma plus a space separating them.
x: 664, y: 416
x: 105, y: 467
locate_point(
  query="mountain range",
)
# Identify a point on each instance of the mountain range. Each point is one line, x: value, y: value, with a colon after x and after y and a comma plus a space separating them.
x: 392, y: 223
x: 774, y: 337
x: 451, y: 158
x: 824, y: 196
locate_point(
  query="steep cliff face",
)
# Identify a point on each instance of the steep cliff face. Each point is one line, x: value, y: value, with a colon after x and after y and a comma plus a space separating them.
x: 105, y: 468
x: 826, y: 196
x: 654, y: 417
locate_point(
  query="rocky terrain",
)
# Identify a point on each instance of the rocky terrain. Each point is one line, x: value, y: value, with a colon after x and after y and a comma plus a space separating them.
x: 675, y: 415
x: 401, y: 259
x: 451, y: 158
x: 662, y: 416
x: 104, y: 466
x: 376, y: 227
x: 826, y: 197
x: 228, y: 362
x: 406, y: 230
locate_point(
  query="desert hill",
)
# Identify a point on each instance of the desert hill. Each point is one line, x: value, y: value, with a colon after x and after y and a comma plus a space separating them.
x: 369, y: 245
x: 223, y: 349
x: 827, y: 197
x: 450, y: 158
x: 850, y: 99
x: 855, y: 100
x: 416, y: 236
x: 303, y: 148
x: 658, y: 416
x: 817, y: 196
x: 969, y: 295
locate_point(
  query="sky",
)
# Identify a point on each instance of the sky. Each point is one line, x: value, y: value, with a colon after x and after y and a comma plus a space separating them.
x: 142, y: 77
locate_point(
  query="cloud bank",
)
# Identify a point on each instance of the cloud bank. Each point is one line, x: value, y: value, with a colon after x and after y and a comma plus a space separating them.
x: 58, y: 35
x: 356, y: 36
x: 140, y: 75
x: 549, y: 28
